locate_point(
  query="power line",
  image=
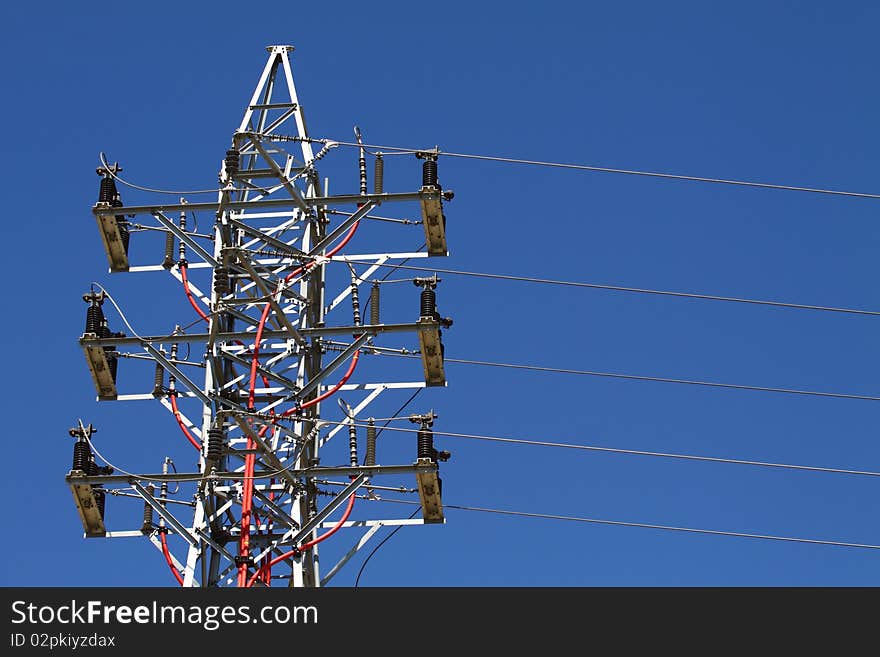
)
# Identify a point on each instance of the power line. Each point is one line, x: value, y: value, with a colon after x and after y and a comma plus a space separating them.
x: 637, y: 377
x: 617, y: 288
x: 357, y: 579
x: 151, y: 189
x: 587, y: 167
x: 632, y: 452
x: 658, y: 379
x: 621, y: 523
x: 655, y: 174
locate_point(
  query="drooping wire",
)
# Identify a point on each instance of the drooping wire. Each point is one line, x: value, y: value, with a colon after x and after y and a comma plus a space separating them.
x: 619, y: 288
x: 357, y: 579
x: 151, y: 189
x: 643, y: 525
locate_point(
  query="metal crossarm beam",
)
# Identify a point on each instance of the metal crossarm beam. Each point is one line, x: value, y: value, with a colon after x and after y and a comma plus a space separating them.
x: 264, y: 204
x: 319, y: 471
x: 242, y: 335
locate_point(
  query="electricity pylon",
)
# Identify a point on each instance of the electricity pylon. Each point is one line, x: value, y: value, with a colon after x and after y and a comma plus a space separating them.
x: 274, y: 347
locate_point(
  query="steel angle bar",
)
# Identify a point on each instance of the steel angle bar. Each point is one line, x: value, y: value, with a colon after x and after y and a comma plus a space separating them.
x: 173, y: 369
x: 276, y: 510
x: 184, y: 237
x: 205, y: 536
x: 319, y: 471
x: 132, y: 533
x: 402, y: 522
x: 220, y: 510
x: 313, y: 384
x: 341, y: 228
x: 268, y: 453
x: 239, y: 335
x: 269, y: 374
x: 165, y: 514
x: 193, y: 428
x: 270, y: 298
x: 281, y: 119
x: 313, y: 201
x: 263, y: 237
x: 293, y: 191
x: 361, y: 542
x: 314, y: 522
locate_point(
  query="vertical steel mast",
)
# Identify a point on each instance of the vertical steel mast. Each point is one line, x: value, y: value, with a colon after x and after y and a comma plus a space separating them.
x: 277, y: 354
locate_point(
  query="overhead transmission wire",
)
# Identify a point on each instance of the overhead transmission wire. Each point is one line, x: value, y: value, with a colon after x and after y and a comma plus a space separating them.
x: 528, y: 162
x: 637, y: 377
x: 644, y: 525
x: 589, y: 167
x: 357, y: 580
x: 633, y: 452
x: 616, y: 288
x: 152, y: 189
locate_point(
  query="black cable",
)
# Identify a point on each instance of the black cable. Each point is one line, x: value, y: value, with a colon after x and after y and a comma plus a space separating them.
x: 375, y: 549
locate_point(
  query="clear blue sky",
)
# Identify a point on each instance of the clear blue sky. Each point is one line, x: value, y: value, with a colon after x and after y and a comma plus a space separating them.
x: 783, y: 92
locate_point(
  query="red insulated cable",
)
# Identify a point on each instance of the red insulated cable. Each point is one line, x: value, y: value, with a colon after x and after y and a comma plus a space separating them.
x: 309, y: 544
x: 195, y: 443
x: 189, y: 295
x: 247, y: 496
x: 331, y: 391
x: 265, y: 316
x: 246, y: 511
x: 256, y: 353
x: 247, y: 501
x: 168, y: 558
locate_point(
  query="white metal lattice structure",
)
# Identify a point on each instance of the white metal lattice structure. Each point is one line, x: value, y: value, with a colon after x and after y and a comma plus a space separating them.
x: 274, y: 349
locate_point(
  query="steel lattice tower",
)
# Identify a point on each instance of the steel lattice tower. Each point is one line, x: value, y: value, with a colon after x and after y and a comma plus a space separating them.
x: 275, y: 347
